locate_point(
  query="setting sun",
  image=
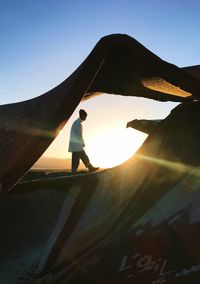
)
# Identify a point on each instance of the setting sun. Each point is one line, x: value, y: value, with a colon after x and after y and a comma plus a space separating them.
x: 112, y: 147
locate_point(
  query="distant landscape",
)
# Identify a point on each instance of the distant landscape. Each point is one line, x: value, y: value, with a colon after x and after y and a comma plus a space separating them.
x: 50, y: 163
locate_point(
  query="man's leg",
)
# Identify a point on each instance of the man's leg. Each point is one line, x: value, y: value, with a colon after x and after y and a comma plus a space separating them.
x: 75, y: 162
x: 85, y: 159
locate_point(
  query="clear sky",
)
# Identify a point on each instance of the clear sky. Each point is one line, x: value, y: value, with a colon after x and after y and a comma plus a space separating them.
x: 44, y: 41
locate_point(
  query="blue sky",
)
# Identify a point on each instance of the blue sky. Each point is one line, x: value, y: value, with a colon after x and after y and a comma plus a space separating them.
x: 44, y: 41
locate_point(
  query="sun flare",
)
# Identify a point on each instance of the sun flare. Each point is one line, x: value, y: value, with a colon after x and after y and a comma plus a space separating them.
x: 112, y: 147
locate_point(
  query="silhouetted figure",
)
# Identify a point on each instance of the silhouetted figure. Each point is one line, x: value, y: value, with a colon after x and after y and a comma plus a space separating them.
x: 77, y: 144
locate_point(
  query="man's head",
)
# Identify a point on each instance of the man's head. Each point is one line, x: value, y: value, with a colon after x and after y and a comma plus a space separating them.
x: 82, y: 114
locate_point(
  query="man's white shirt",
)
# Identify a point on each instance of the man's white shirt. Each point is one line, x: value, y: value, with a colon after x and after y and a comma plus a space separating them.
x: 76, y: 142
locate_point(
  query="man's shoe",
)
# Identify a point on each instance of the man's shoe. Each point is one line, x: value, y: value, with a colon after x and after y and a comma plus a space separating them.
x: 93, y: 169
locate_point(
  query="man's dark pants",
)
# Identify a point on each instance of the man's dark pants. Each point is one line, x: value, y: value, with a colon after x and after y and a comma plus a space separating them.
x: 76, y: 157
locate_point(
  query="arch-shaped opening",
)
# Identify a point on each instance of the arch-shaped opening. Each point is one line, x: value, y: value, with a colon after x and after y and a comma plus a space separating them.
x: 108, y: 141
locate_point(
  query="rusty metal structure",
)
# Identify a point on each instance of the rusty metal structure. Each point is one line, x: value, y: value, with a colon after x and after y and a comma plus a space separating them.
x: 135, y: 223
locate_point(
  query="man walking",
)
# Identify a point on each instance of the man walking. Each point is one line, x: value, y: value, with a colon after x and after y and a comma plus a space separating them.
x: 77, y: 144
